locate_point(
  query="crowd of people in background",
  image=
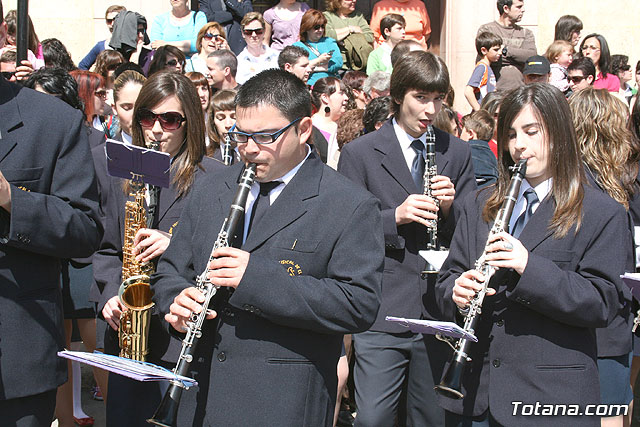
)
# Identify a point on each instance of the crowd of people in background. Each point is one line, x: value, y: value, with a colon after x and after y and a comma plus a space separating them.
x: 346, y: 63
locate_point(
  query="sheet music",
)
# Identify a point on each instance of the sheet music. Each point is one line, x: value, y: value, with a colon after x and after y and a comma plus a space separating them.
x: 433, y: 327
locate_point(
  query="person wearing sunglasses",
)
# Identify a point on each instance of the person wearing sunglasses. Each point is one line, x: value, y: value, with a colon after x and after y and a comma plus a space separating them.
x: 595, y: 47
x: 109, y: 18
x: 324, y: 54
x: 92, y: 91
x: 290, y: 291
x: 179, y: 27
x: 229, y: 14
x: 167, y: 112
x: 257, y: 56
x: 581, y: 74
x: 621, y: 68
x: 106, y: 63
x: 168, y: 58
x: 211, y: 37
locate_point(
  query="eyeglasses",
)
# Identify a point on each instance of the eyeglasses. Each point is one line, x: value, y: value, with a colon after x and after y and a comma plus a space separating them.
x: 258, y: 137
x: 249, y: 31
x: 625, y: 67
x: 101, y: 93
x: 109, y: 21
x: 318, y: 27
x: 112, y: 67
x: 172, y: 63
x: 593, y: 48
x: 8, y: 74
x: 140, y: 30
x: 576, y: 79
x: 210, y: 36
x: 170, y: 120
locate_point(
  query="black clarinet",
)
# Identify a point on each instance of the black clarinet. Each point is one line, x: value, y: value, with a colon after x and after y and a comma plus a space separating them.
x: 167, y: 413
x: 451, y: 383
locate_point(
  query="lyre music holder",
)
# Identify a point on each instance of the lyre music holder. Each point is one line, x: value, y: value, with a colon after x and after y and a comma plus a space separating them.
x: 137, y: 163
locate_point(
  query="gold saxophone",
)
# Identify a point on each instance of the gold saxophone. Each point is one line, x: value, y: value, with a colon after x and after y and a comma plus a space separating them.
x: 135, y: 291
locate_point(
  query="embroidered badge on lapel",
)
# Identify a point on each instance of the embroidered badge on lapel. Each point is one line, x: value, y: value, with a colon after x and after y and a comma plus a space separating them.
x: 175, y: 224
x: 24, y: 189
x: 292, y: 268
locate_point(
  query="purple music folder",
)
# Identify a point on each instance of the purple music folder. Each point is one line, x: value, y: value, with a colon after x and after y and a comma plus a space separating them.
x: 632, y: 280
x: 126, y: 161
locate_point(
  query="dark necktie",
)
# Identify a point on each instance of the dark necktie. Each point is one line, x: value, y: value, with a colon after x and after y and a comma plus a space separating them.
x: 417, y: 168
x: 262, y: 203
x: 532, y: 198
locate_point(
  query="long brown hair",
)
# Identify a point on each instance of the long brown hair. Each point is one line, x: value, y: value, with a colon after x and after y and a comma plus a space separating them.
x: 565, y: 165
x: 606, y: 143
x: 221, y: 101
x: 156, y: 89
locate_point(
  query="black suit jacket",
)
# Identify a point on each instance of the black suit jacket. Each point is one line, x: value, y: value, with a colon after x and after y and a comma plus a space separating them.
x: 536, y: 336
x: 314, y: 274
x: 44, y: 154
x: 376, y: 162
x: 107, y: 262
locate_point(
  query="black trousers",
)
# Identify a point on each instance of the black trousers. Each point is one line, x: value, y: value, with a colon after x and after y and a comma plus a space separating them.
x: 28, y: 411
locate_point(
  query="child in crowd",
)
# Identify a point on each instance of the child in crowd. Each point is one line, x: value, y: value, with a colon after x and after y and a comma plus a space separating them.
x: 392, y: 28
x: 560, y: 55
x: 483, y: 81
x: 477, y: 129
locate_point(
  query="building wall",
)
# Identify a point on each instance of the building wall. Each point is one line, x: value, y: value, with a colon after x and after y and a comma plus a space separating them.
x: 80, y: 23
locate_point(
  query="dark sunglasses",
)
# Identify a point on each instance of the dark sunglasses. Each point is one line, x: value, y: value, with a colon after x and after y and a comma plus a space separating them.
x: 625, y: 67
x: 210, y: 36
x: 8, y: 74
x: 577, y: 79
x: 101, y: 93
x: 171, y: 63
x: 317, y: 27
x: 249, y: 31
x: 109, y: 21
x: 112, y: 67
x: 168, y: 121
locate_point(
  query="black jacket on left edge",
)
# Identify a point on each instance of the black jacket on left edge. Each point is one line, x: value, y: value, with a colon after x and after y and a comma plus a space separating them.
x: 44, y: 154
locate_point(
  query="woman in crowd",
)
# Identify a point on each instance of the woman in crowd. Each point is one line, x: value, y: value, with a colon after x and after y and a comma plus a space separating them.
x: 34, y: 48
x: 211, y: 37
x: 621, y: 68
x: 106, y: 63
x: 376, y: 113
x: 92, y: 90
x: 354, y: 80
x: 56, y: 55
x: 125, y: 92
x: 329, y: 98
x: 324, y: 54
x: 167, y: 58
x: 611, y: 157
x: 256, y: 56
x: 204, y: 93
x: 595, y: 47
x: 221, y: 120
x: 76, y: 276
x: 345, y: 25
x: 282, y: 23
x: 179, y: 27
x: 568, y: 28
x: 166, y: 111
x: 109, y: 17
x: 558, y: 278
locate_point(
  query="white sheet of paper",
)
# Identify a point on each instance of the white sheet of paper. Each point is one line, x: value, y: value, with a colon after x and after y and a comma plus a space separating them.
x: 435, y: 258
x: 433, y: 327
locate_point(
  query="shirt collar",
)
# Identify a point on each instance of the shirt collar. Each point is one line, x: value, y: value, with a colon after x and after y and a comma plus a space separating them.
x: 404, y: 138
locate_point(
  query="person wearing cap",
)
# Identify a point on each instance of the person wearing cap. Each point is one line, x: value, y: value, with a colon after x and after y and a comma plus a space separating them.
x: 536, y: 70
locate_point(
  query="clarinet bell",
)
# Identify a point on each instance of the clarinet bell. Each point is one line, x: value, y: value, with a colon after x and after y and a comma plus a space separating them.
x: 451, y: 383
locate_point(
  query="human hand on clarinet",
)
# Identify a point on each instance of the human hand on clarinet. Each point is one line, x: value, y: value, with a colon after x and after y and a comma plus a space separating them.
x: 443, y: 189
x: 505, y: 251
x: 467, y: 286
x: 112, y: 311
x: 149, y: 244
x: 417, y: 208
x: 188, y: 301
x: 228, y: 266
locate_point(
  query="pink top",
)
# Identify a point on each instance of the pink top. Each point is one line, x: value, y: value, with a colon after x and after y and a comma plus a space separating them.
x: 283, y: 32
x: 611, y: 83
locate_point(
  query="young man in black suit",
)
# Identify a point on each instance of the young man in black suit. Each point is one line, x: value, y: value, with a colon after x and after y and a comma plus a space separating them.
x: 308, y: 272
x: 48, y: 211
x: 384, y: 162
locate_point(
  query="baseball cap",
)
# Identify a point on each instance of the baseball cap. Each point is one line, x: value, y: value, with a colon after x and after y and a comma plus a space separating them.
x: 536, y: 65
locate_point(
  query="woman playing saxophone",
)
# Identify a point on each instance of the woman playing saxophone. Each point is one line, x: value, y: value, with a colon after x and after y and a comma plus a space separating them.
x: 557, y: 278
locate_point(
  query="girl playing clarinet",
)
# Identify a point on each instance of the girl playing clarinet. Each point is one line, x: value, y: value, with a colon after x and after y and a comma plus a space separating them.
x: 558, y: 278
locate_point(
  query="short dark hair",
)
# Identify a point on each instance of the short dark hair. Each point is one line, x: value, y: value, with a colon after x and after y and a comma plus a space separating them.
x: 8, y: 56
x: 325, y: 86
x: 566, y: 26
x: 585, y: 65
x: 619, y: 63
x: 57, y: 82
x: 605, y: 55
x: 487, y: 40
x: 502, y: 3
x: 276, y: 88
x: 389, y: 20
x: 56, y: 55
x: 376, y: 111
x: 159, y: 61
x: 290, y: 55
x: 225, y: 58
x: 481, y: 122
x: 401, y: 49
x: 418, y: 70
